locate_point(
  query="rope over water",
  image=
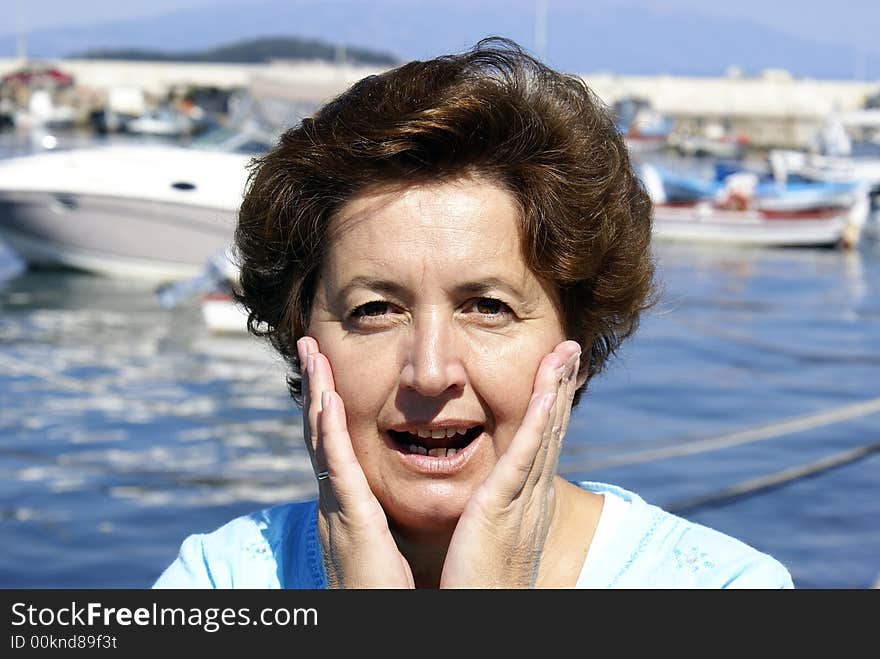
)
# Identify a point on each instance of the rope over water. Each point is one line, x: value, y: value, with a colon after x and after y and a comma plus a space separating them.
x: 771, y: 481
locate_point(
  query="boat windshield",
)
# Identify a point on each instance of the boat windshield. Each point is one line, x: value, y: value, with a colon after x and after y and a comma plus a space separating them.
x: 234, y: 139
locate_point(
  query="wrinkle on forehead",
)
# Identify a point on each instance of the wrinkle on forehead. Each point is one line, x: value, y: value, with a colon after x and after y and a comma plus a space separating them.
x: 447, y: 216
x: 431, y: 241
x: 376, y: 199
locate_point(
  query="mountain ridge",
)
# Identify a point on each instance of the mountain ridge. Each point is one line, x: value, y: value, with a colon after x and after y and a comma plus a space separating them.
x: 248, y: 51
x: 579, y: 37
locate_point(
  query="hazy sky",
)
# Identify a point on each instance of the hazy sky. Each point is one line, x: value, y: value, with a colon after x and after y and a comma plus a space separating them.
x: 38, y: 14
x: 855, y: 22
x: 839, y: 21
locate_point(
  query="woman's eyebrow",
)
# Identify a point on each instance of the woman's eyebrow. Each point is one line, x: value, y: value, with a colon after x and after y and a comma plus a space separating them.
x: 374, y: 284
x: 485, y: 285
x: 476, y: 287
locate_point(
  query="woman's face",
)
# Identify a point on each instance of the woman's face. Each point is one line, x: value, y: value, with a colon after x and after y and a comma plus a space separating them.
x: 434, y: 328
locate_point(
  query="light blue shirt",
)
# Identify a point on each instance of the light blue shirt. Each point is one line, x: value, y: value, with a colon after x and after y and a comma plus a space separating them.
x: 279, y: 548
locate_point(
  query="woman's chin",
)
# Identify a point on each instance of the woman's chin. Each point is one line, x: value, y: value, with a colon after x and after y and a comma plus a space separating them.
x: 428, y: 507
x: 427, y: 492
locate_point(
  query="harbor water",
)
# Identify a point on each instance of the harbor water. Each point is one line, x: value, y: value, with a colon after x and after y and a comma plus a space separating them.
x: 749, y: 400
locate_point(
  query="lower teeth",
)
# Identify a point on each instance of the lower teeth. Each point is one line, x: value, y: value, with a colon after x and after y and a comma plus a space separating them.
x: 434, y: 452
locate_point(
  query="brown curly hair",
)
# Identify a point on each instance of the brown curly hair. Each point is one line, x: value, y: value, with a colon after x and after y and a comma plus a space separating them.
x: 493, y: 111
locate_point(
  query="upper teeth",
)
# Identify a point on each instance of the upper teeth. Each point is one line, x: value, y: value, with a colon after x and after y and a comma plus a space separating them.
x: 439, y: 433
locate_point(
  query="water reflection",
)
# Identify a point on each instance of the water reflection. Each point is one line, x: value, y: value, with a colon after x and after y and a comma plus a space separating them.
x: 131, y: 423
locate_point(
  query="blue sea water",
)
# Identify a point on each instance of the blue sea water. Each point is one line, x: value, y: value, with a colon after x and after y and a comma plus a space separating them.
x: 125, y: 426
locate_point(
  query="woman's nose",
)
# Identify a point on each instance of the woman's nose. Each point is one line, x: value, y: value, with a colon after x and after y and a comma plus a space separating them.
x: 433, y: 363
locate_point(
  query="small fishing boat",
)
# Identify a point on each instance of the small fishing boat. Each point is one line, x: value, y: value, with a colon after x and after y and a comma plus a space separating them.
x: 743, y: 210
x: 845, y: 150
x: 707, y: 223
x: 161, y: 122
x: 213, y: 286
x: 819, y: 167
x: 714, y: 139
x: 645, y: 130
x: 222, y: 314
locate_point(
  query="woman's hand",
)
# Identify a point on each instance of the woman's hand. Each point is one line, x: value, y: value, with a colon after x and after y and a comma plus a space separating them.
x: 500, y: 536
x: 359, y: 550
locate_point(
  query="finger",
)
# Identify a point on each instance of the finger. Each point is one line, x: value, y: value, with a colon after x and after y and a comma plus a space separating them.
x: 307, y: 346
x: 563, y: 411
x: 550, y: 380
x: 535, y: 455
x: 515, y: 467
x: 302, y: 349
x: 567, y: 383
x: 571, y: 389
x: 548, y: 454
x: 517, y: 463
x: 345, y: 475
x: 565, y: 391
x: 320, y: 377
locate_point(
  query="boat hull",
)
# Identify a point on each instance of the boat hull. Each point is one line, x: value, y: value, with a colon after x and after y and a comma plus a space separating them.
x: 751, y: 228
x: 114, y: 236
x: 222, y: 315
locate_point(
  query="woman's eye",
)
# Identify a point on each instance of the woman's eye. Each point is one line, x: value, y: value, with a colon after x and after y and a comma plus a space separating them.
x: 375, y: 308
x: 490, y: 306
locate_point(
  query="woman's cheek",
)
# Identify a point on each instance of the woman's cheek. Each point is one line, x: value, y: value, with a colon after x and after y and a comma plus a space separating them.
x: 363, y: 376
x: 504, y: 375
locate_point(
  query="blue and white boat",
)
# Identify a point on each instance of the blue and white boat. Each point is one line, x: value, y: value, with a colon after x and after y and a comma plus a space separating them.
x: 643, y: 127
x: 748, y: 208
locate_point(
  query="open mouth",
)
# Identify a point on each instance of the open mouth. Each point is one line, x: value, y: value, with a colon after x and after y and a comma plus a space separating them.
x: 442, y: 443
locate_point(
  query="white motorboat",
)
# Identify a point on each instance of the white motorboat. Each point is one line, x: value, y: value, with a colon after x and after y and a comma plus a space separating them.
x: 134, y: 210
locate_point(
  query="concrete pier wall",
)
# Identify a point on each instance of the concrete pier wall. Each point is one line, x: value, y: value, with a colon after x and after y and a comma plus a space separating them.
x: 158, y: 78
x: 773, y: 109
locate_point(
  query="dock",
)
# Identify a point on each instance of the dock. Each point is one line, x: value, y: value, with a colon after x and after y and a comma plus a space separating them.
x: 775, y: 109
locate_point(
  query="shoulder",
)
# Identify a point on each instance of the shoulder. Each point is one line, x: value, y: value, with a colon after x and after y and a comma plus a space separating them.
x: 265, y: 549
x: 657, y: 549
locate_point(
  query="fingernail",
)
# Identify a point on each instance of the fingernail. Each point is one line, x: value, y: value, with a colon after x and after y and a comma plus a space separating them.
x: 300, y: 351
x: 310, y: 365
x: 547, y: 403
x: 326, y: 400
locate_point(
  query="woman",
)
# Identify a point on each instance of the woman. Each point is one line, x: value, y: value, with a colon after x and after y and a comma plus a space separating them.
x: 445, y: 255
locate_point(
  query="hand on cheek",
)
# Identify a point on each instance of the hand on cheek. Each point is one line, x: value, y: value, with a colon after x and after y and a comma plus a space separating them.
x: 500, y: 536
x: 359, y: 550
